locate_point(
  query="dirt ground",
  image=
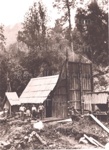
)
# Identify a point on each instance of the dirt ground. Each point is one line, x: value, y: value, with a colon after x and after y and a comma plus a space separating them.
x: 64, y: 135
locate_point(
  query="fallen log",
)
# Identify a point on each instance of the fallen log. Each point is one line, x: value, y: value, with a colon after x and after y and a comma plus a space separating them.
x: 97, y: 121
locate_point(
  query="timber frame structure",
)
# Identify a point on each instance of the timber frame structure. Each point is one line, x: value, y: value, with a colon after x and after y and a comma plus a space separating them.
x: 75, y: 80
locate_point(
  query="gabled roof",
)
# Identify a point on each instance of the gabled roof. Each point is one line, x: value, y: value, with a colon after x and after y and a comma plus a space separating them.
x: 38, y: 89
x: 12, y: 98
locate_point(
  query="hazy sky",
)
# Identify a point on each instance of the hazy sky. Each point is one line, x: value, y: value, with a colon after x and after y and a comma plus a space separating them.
x: 13, y: 11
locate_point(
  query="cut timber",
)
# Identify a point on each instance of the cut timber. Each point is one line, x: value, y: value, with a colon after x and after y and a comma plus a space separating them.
x: 97, y: 121
x: 40, y: 139
x: 65, y: 120
x: 90, y: 140
x: 97, y: 142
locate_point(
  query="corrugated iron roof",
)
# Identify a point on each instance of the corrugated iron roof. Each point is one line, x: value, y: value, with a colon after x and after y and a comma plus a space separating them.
x: 12, y: 98
x: 38, y: 89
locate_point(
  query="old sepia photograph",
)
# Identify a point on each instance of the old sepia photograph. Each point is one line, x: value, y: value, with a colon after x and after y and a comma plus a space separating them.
x: 54, y: 75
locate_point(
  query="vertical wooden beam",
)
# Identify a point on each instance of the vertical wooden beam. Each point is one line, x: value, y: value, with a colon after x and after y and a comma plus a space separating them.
x: 69, y: 21
x: 10, y: 108
x: 91, y: 73
x: 67, y: 81
x: 91, y: 67
x: 80, y: 85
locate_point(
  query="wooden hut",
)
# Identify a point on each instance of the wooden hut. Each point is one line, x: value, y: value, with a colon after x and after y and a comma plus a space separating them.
x: 12, y: 102
x: 60, y: 92
x: 39, y: 91
x: 75, y: 80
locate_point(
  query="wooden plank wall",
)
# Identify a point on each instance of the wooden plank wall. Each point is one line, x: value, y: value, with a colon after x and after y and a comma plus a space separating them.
x: 80, y: 80
x: 86, y: 81
x: 59, y: 100
x: 74, y: 82
x: 79, y: 83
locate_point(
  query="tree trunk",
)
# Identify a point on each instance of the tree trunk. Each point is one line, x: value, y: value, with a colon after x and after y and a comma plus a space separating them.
x: 69, y: 20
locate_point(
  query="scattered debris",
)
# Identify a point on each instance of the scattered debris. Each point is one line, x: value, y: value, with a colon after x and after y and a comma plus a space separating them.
x: 3, y: 120
x: 4, y: 144
x: 52, y: 135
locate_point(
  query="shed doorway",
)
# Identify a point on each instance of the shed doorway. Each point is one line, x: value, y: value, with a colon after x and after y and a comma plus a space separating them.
x: 49, y: 108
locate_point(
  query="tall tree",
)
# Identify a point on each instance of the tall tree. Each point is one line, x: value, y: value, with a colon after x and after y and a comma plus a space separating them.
x: 43, y: 44
x: 3, y: 63
x: 56, y: 46
x: 34, y: 27
x: 33, y: 35
x: 18, y: 75
x: 2, y: 39
x: 92, y: 25
x: 66, y: 6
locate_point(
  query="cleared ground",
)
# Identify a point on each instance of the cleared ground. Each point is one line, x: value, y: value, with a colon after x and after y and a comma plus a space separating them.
x: 57, y: 135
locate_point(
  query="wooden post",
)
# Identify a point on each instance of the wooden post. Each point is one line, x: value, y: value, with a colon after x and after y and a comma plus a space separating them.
x: 44, y: 110
x: 67, y: 82
x: 82, y: 105
x: 10, y: 109
x: 91, y: 77
x: 80, y: 84
x: 91, y: 103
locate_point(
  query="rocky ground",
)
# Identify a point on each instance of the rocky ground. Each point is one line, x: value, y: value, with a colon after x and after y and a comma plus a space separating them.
x: 20, y: 135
